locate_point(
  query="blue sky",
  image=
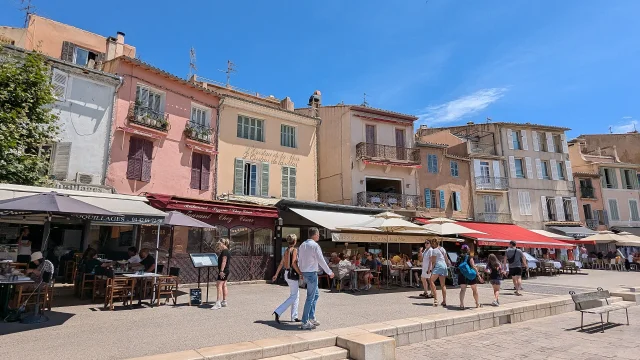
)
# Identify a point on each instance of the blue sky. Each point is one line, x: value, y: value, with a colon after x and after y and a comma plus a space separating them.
x: 572, y: 62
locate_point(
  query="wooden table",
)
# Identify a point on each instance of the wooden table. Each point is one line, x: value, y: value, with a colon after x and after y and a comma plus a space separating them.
x: 6, y: 287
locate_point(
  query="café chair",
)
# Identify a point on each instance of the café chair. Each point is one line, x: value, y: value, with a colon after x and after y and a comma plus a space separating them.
x: 99, y: 287
x: 87, y: 283
x: 120, y: 288
x: 167, y: 286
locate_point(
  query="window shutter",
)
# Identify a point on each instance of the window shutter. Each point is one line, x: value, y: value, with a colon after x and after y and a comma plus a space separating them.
x: 61, y: 159
x: 496, y: 168
x: 476, y: 168
x: 603, y: 179
x: 568, y: 170
x: 59, y: 81
x: 443, y: 204
x: 133, y: 161
x: 565, y: 146
x: 206, y: 172
x: 633, y: 207
x: 427, y: 198
x: 147, y: 158
x: 512, y: 166
x: 521, y: 202
x: 67, y: 51
x: 613, y: 210
x: 614, y: 178
x: 554, y: 169
x: 527, y: 203
x: 435, y: 163
x: 634, y: 178
x: 510, y: 138
x: 525, y: 145
x: 550, y: 146
x: 292, y: 182
x: 458, y: 201
x: 196, y: 170
x: 238, y: 177
x: 527, y: 161
x: 545, y: 213
x: 536, y: 141
x: 264, y: 180
x: 623, y: 178
x: 574, y: 208
x: 560, y: 208
x: 539, y: 169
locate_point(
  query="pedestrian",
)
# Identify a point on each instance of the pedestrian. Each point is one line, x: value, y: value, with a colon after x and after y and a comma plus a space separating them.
x: 24, y: 246
x: 439, y: 264
x: 291, y: 276
x: 426, y: 271
x: 224, y: 262
x: 467, y: 275
x: 309, y: 260
x: 517, y: 261
x: 495, y: 277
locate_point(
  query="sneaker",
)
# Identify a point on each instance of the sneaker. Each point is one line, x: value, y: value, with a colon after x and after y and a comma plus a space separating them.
x: 314, y: 322
x: 307, y: 326
x: 223, y: 303
x: 217, y: 306
x: 495, y: 303
x: 368, y: 287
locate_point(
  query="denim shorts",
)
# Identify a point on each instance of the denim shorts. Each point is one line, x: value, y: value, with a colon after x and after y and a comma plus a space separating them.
x: 440, y: 269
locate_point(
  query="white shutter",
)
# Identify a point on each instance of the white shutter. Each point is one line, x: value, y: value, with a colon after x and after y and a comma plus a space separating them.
x: 565, y: 147
x: 539, y: 168
x: 61, y: 159
x: 550, y: 146
x: 554, y: 169
x: 525, y: 145
x: 476, y: 168
x: 567, y: 169
x: 264, y: 180
x: 543, y: 204
x: 521, y: 202
x: 59, y: 80
x: 527, y: 161
x: 559, y: 208
x: 238, y: 177
x: 574, y: 207
x: 496, y: 168
x: 292, y: 182
x: 512, y: 166
x: 510, y: 138
x: 527, y: 203
x: 536, y: 141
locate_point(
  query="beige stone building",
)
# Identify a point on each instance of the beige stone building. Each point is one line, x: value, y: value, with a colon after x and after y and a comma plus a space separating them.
x: 626, y: 145
x: 366, y: 156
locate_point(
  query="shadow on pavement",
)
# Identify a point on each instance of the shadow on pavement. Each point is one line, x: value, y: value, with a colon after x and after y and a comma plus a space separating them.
x: 595, y: 328
x: 285, y: 325
x: 55, y: 318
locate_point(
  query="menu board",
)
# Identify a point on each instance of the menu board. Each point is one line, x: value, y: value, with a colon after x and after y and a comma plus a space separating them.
x: 195, y: 296
x: 201, y: 260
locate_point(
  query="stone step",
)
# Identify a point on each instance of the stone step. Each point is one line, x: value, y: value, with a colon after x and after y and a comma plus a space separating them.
x: 327, y: 353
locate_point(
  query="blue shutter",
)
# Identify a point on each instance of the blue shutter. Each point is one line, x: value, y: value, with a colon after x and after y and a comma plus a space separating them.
x: 435, y: 164
x: 427, y: 198
x: 443, y: 205
x: 458, y: 202
x: 429, y: 163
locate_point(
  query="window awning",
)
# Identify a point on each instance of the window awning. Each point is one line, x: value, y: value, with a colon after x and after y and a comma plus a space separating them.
x: 502, y: 234
x: 575, y: 232
x: 331, y: 219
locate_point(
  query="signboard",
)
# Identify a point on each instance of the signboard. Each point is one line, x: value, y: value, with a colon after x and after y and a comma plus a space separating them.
x: 195, y: 297
x: 379, y: 238
x: 204, y: 260
x: 131, y: 219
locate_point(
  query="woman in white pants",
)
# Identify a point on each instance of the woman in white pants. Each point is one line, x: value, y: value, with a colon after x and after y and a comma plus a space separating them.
x: 289, y: 261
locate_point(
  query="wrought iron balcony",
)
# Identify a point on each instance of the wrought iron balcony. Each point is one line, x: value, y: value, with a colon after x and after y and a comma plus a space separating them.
x: 387, y: 153
x: 592, y: 224
x: 388, y: 200
x: 486, y: 149
x: 197, y: 132
x: 492, y: 183
x: 587, y: 193
x: 503, y: 218
x: 145, y: 116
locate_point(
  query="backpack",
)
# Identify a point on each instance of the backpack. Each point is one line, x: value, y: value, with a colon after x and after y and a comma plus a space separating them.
x: 466, y: 270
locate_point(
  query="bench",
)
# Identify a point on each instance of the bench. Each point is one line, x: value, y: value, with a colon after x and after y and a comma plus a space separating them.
x: 582, y: 299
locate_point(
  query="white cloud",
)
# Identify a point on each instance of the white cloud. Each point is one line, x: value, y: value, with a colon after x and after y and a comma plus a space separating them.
x: 460, y: 108
x: 629, y: 124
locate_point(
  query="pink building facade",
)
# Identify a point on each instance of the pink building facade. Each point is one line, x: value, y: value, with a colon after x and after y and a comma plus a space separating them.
x: 163, y: 133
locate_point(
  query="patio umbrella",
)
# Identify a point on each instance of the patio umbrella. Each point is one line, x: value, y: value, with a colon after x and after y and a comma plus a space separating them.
x: 441, y: 220
x: 604, y: 237
x: 176, y: 218
x: 628, y: 239
x: 449, y: 228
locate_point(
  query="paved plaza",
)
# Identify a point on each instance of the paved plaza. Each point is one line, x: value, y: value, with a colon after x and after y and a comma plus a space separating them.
x: 85, y: 331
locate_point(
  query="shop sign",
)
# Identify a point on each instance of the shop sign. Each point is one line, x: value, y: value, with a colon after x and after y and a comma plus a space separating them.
x: 133, y: 219
x: 217, y: 209
x: 222, y: 218
x: 377, y: 238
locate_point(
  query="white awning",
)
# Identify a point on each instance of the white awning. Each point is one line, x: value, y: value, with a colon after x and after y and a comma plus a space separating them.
x: 551, y: 235
x: 123, y: 206
x: 331, y: 219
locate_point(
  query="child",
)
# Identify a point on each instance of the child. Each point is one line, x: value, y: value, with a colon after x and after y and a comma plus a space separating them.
x: 495, y: 276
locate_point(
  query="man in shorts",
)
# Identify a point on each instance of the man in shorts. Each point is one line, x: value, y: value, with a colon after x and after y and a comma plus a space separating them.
x: 517, y: 264
x: 426, y: 261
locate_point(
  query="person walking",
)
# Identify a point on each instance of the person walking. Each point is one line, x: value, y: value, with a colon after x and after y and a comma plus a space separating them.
x: 291, y: 276
x: 309, y: 260
x: 426, y: 263
x: 439, y: 263
x: 467, y: 275
x: 517, y: 261
x: 224, y: 261
x: 495, y: 277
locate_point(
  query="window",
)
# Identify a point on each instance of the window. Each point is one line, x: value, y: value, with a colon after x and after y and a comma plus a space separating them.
x: 628, y: 178
x: 557, y: 143
x: 613, y: 210
x: 567, y: 207
x: 434, y: 199
x: 551, y: 209
x: 561, y: 171
x: 454, y: 169
x: 432, y: 163
x: 251, y: 178
x: 485, y: 173
x: 490, y: 204
x: 601, y: 216
x: 81, y: 56
x: 288, y: 182
x: 149, y: 98
x: 288, y: 136
x: 525, y: 203
x: 542, y: 141
x: 59, y: 81
x: 633, y: 206
x: 200, y: 171
x: 199, y: 117
x: 250, y: 128
x: 586, y: 189
x: 139, y: 159
x: 609, y: 179
x: 545, y: 170
x: 456, y: 201
x: 588, y: 214
x: 519, y: 168
x: 515, y: 135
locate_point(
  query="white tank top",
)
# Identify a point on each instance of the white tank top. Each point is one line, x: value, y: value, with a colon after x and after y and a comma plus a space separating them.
x: 24, y: 249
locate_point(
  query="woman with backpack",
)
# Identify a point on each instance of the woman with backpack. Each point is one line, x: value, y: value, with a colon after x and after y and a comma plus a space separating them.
x: 467, y: 275
x: 495, y: 277
x: 439, y: 263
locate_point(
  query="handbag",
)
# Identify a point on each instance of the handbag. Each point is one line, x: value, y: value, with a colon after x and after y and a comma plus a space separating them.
x: 293, y: 274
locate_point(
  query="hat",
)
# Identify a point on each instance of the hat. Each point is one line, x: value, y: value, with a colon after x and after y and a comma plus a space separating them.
x: 36, y: 256
x: 465, y: 247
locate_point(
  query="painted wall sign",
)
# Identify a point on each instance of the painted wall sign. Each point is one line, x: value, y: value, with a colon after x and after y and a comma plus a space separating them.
x: 270, y: 156
x: 378, y: 238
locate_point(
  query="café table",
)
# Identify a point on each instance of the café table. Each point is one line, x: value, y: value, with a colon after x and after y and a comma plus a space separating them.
x: 411, y: 270
x: 7, y: 284
x: 141, y: 276
x: 355, y: 275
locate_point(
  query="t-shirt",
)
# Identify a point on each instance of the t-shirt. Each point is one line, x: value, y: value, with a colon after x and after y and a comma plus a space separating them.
x: 514, y: 257
x: 147, y: 262
x: 438, y: 253
x: 91, y: 265
x: 224, y: 253
x: 135, y: 259
x: 372, y: 265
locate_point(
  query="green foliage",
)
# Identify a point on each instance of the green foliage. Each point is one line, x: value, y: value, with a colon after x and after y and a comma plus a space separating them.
x: 26, y: 118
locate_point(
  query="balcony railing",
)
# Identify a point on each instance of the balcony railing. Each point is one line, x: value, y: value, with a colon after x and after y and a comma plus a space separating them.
x: 387, y: 152
x: 503, y: 218
x: 198, y: 132
x: 492, y: 183
x: 388, y: 200
x: 486, y: 149
x: 592, y: 224
x: 145, y: 116
x: 587, y: 193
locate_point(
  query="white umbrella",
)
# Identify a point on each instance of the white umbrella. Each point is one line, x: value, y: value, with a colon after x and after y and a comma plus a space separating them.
x: 441, y: 220
x: 449, y: 228
x: 604, y: 237
x: 628, y: 239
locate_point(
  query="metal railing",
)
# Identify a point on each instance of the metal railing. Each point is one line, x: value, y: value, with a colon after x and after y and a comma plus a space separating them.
x: 387, y: 152
x: 486, y: 149
x: 491, y: 183
x: 198, y: 132
x: 145, y: 116
x: 587, y: 193
x: 592, y: 224
x: 388, y: 200
x: 503, y: 218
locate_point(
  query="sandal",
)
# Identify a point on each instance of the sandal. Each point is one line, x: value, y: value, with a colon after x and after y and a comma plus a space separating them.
x: 443, y: 304
x: 435, y: 302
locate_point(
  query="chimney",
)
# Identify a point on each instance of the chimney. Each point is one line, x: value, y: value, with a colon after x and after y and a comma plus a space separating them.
x: 111, y: 48
x: 315, y: 101
x: 119, y: 43
x: 287, y: 104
